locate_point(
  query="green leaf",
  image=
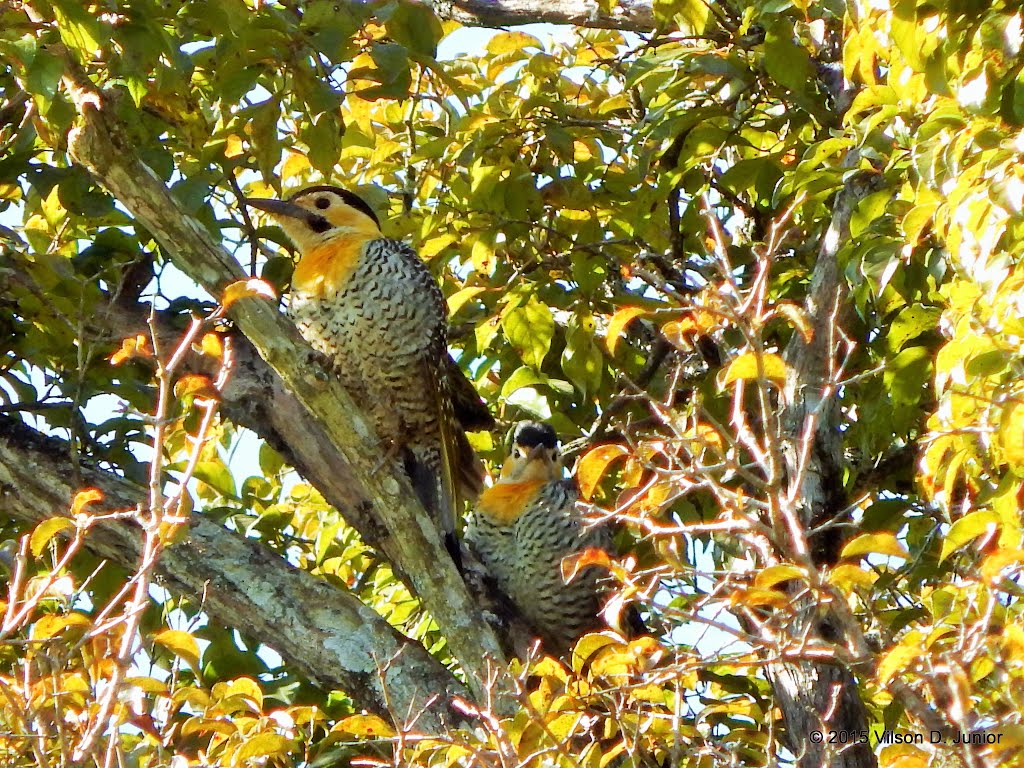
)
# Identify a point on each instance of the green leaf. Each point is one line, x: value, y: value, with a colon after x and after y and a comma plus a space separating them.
x: 582, y: 361
x: 43, y: 78
x: 323, y: 138
x: 869, y: 210
x: 910, y: 323
x: 787, y: 63
x: 529, y: 329
x: 907, y: 374
x: 216, y: 475
x: 392, y: 72
x: 79, y: 28
x: 690, y: 16
x: 967, y: 529
x: 417, y: 27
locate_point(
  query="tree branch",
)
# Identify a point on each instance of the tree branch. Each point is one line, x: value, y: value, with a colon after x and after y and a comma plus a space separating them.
x: 634, y: 15
x: 807, y: 690
x: 99, y: 143
x: 335, y: 640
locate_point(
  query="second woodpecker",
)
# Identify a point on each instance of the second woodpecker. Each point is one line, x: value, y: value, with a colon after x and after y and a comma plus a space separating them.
x: 522, y: 529
x: 370, y: 305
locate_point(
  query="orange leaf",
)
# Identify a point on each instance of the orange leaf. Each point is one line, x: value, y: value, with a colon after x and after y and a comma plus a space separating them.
x: 573, y: 564
x: 137, y: 346
x: 84, y: 498
x: 618, y: 324
x: 593, y: 466
x: 797, y: 318
x: 245, y: 288
x: 195, y: 385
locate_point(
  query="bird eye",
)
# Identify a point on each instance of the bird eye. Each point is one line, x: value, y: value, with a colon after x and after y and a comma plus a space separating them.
x: 323, y: 202
x: 517, y: 454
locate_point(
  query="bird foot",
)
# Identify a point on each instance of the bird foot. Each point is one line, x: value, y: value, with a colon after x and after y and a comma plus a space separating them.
x: 320, y: 364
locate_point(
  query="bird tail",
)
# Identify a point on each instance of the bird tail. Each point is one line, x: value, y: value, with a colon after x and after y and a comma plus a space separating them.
x: 426, y: 469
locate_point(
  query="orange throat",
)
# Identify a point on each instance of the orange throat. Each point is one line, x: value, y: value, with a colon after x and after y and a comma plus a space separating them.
x: 327, y: 268
x: 503, y: 503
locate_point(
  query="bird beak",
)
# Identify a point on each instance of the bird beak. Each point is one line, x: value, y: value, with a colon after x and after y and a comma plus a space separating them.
x: 280, y: 208
x: 537, y: 452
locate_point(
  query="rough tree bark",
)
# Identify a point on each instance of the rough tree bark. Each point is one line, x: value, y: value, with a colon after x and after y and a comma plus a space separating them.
x: 633, y: 15
x: 255, y: 398
x: 816, y: 696
x: 335, y: 640
x: 99, y: 144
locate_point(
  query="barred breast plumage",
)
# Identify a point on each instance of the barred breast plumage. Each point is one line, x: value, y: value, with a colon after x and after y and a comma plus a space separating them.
x: 372, y: 308
x: 522, y: 529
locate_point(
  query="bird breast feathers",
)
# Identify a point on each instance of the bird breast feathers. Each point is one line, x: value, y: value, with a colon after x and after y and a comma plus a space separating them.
x: 328, y: 267
x: 503, y: 503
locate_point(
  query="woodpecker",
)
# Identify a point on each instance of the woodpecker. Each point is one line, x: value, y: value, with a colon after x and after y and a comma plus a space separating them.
x: 524, y: 526
x: 371, y: 307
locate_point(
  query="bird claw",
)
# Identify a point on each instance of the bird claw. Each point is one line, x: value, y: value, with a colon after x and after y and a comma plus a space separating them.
x: 320, y: 364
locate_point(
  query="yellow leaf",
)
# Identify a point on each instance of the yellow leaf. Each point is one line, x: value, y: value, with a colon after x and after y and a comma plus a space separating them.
x: 745, y: 367
x: 45, y: 531
x: 593, y: 466
x: 243, y: 687
x: 53, y: 624
x: 588, y: 645
x: 775, y: 574
x: 993, y: 565
x: 146, y: 685
x: 968, y: 528
x: 509, y: 42
x: 900, y: 657
x: 294, y: 164
x: 759, y: 597
x: 458, y: 299
x: 618, y: 324
x: 181, y: 644
x: 549, y: 667
x: 434, y: 245
x: 263, y: 745
x: 903, y: 756
x: 883, y: 543
x: 233, y: 147
x: 1011, y: 433
x: 846, y: 576
x: 482, y: 256
x: 365, y: 725
x: 211, y: 345
x: 246, y: 288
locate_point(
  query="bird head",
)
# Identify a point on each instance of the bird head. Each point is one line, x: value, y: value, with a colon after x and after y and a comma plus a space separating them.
x: 319, y: 214
x: 534, y: 454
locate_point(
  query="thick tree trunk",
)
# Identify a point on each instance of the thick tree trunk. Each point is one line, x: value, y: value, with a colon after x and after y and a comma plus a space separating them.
x: 814, y: 696
x: 635, y: 15
x: 324, y: 632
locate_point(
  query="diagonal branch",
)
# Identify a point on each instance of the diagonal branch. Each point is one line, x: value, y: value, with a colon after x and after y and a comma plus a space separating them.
x: 334, y: 639
x: 634, y: 15
x: 99, y: 143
